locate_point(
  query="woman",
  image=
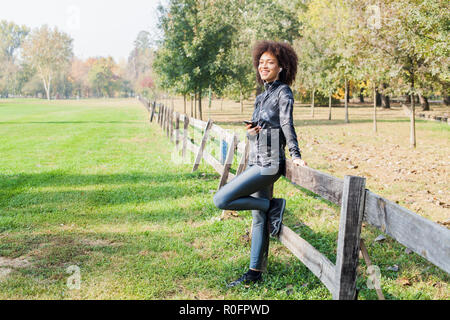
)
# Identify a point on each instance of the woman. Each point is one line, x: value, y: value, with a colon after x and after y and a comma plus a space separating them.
x: 276, y: 67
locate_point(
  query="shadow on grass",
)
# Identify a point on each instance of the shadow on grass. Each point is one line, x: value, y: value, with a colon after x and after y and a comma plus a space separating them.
x: 68, y: 122
x: 23, y: 201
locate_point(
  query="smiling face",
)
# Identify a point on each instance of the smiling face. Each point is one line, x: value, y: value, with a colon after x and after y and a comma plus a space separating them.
x: 268, y: 67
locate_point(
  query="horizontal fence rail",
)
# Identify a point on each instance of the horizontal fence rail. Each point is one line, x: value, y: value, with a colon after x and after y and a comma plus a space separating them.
x: 426, y: 238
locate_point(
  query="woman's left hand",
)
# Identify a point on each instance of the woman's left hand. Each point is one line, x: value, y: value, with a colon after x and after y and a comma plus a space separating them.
x: 299, y: 162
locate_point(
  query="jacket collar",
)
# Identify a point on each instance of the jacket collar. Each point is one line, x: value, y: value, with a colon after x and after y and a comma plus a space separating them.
x: 270, y: 86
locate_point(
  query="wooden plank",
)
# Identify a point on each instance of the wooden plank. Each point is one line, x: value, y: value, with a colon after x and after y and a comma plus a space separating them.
x: 202, y: 145
x: 352, y: 210
x: 242, y: 145
x: 145, y: 103
x: 323, y: 184
x: 425, y: 237
x: 315, y: 261
x: 244, y: 158
x: 198, y: 123
x: 369, y: 264
x: 213, y: 161
x: 228, y: 161
x: 192, y: 147
x: 221, y: 133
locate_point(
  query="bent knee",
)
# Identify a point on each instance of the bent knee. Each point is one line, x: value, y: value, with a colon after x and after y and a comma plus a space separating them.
x: 219, y: 201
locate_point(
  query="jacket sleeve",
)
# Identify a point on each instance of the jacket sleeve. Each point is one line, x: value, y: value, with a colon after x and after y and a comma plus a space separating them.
x: 254, y: 117
x: 286, y: 107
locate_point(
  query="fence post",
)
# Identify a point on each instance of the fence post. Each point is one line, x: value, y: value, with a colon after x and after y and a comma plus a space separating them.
x: 177, y: 130
x: 159, y: 112
x: 185, y: 134
x: 202, y: 145
x: 352, y: 209
x: 165, y: 119
x: 166, y: 115
x: 153, y: 111
x: 228, y: 161
x: 171, y: 125
x: 169, y: 113
x: 168, y: 123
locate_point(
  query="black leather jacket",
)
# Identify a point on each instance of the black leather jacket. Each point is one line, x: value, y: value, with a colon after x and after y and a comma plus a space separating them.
x: 273, y: 112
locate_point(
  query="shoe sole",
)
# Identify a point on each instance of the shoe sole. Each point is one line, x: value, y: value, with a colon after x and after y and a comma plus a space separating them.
x: 277, y: 231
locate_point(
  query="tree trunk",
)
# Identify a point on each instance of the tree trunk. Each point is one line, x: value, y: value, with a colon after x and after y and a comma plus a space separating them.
x: 329, y: 107
x: 347, y: 94
x: 346, y: 101
x: 195, y: 104
x: 312, y: 102
x: 361, y: 96
x: 192, y: 107
x: 241, y: 100
x: 221, y: 105
x: 200, y: 104
x: 374, y: 108
x: 412, y: 137
x: 209, y: 97
x: 446, y: 100
x: 378, y: 98
x: 184, y: 98
x: 424, y: 103
x: 407, y: 99
x: 385, y: 100
x: 47, y: 87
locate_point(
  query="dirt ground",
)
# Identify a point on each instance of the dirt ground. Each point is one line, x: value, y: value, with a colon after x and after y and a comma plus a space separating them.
x: 415, y: 178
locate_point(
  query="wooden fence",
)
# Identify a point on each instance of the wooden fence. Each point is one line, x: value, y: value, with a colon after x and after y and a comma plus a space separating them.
x: 426, y: 238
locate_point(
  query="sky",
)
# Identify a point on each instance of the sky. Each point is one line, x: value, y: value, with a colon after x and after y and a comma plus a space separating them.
x: 98, y: 27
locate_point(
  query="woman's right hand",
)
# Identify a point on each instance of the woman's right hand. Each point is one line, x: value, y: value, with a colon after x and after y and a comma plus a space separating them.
x: 253, y: 131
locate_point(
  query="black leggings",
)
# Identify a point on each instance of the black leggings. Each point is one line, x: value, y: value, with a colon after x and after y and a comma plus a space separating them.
x: 252, y: 190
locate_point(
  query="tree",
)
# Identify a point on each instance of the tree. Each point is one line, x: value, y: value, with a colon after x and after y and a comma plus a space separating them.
x: 412, y: 40
x: 102, y: 77
x: 49, y: 52
x: 11, y: 38
x: 79, y: 77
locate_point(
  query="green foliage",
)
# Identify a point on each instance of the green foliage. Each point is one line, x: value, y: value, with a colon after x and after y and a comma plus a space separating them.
x: 49, y: 52
x: 102, y: 77
x: 207, y: 44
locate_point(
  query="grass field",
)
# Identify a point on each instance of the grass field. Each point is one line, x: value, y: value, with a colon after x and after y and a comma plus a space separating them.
x: 91, y: 184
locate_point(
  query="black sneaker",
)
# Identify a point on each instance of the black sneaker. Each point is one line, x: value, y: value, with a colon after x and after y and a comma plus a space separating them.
x: 275, y: 215
x: 246, y: 278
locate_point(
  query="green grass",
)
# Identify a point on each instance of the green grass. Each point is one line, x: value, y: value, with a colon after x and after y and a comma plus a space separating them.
x: 91, y: 183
